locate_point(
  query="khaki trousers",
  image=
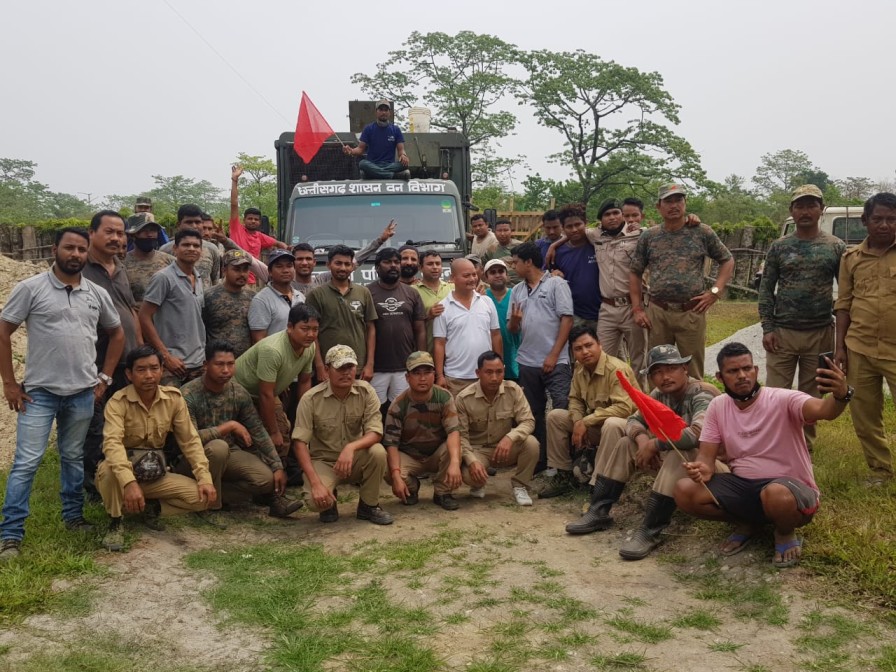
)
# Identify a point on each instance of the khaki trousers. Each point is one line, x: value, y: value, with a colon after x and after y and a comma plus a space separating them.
x: 560, y: 430
x: 685, y: 329
x: 368, y: 470
x: 523, y: 454
x: 457, y: 385
x: 618, y: 334
x: 798, y: 348
x: 866, y: 375
x: 177, y: 492
x: 618, y: 463
x: 437, y: 464
x: 246, y: 476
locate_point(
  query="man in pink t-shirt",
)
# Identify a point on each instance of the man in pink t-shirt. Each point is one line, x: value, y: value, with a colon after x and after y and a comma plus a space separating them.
x: 245, y: 233
x: 771, y: 477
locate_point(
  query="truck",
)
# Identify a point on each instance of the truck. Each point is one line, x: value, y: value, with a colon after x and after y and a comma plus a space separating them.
x: 326, y: 203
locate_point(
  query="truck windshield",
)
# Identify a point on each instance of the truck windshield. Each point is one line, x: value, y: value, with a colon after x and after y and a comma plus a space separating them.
x: 355, y: 220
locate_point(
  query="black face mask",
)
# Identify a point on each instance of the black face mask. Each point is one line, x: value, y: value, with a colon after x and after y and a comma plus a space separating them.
x: 409, y: 271
x: 744, y: 397
x: 146, y: 244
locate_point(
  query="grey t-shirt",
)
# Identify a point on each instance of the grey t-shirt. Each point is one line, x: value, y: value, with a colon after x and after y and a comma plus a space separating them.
x: 62, y: 327
x: 209, y: 265
x: 179, y: 317
x: 542, y: 309
x: 269, y: 310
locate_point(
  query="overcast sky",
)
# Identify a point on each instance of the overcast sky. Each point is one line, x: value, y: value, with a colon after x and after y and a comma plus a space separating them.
x: 102, y: 94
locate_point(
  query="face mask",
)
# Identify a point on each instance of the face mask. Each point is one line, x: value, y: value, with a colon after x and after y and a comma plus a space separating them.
x: 743, y: 397
x: 146, y: 244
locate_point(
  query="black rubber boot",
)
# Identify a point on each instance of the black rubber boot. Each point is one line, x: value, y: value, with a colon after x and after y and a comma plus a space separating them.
x: 648, y: 536
x: 604, y: 495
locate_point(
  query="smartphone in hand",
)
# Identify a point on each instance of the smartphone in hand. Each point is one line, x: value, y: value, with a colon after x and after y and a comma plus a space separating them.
x: 822, y: 362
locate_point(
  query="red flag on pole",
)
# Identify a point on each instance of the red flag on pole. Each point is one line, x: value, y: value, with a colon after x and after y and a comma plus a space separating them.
x: 311, y: 130
x: 665, y: 423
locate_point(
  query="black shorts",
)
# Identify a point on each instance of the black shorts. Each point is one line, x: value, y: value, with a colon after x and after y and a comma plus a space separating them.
x: 740, y: 497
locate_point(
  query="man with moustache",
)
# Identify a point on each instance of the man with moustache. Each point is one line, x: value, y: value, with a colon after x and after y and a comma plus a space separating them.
x: 433, y: 289
x: 410, y: 264
x: 483, y: 240
x: 146, y: 259
x: 400, y: 329
x: 270, y: 307
x: 381, y: 141
x: 225, y: 307
x: 62, y: 311
x: 171, y: 314
x: 552, y: 229
x: 674, y: 253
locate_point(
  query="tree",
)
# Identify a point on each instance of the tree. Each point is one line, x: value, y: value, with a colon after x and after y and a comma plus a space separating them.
x: 258, y: 185
x: 856, y: 188
x: 24, y: 200
x: 172, y: 192
x: 785, y: 170
x: 612, y: 119
x: 730, y: 201
x: 462, y: 77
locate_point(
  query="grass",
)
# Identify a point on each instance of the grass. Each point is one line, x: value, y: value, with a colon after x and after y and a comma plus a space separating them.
x: 621, y: 661
x: 649, y: 633
x: 727, y: 317
x: 697, y: 619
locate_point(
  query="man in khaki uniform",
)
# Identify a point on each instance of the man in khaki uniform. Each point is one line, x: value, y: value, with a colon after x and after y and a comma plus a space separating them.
x: 598, y: 408
x: 496, y: 427
x: 337, y: 439
x: 140, y: 417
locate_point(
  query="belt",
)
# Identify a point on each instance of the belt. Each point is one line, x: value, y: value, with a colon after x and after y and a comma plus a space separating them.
x: 674, y: 307
x: 617, y: 301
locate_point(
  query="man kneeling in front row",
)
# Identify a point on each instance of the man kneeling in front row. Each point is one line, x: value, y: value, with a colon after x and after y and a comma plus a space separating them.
x: 133, y: 477
x: 762, y: 431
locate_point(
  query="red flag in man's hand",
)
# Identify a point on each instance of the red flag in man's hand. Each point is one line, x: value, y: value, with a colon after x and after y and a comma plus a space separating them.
x: 311, y: 130
x: 665, y: 423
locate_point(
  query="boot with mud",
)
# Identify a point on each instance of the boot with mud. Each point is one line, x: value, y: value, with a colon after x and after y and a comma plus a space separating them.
x: 283, y: 507
x: 649, y: 534
x: 152, y: 515
x: 114, y: 537
x: 604, y: 495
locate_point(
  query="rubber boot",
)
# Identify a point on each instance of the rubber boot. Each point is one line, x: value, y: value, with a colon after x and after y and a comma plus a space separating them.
x: 604, y: 495
x: 647, y: 537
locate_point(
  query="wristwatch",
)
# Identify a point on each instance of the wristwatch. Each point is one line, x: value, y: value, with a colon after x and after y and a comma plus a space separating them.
x: 850, y: 390
x: 104, y: 378
x: 715, y: 291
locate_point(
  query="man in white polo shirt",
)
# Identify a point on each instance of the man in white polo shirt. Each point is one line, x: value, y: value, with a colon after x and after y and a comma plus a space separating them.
x: 467, y: 328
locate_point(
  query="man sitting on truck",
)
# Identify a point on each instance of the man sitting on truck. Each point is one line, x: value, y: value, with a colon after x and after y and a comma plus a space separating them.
x: 381, y: 140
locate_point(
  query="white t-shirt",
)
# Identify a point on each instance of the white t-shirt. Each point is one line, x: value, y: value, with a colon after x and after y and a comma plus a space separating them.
x: 467, y: 333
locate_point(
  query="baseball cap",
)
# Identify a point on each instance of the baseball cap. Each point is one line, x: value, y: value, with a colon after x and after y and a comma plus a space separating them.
x: 671, y: 189
x: 609, y: 204
x: 663, y: 354
x: 494, y: 262
x: 418, y: 359
x: 383, y: 103
x: 277, y: 255
x: 807, y: 190
x: 140, y: 221
x: 143, y: 200
x: 474, y: 258
x: 340, y: 355
x: 236, y: 258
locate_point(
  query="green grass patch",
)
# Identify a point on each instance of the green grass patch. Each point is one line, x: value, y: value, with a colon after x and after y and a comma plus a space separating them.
x: 727, y: 317
x: 724, y: 647
x: 825, y: 633
x: 628, y: 660
x: 885, y: 661
x: 649, y: 633
x: 697, y: 619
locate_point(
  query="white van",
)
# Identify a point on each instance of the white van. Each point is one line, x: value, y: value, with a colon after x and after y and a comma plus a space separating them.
x: 843, y: 221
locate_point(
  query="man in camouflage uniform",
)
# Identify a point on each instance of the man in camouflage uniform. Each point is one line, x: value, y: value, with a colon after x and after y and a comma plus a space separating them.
x: 222, y: 409
x: 226, y: 305
x: 674, y: 254
x: 640, y: 450
x: 797, y: 319
x: 146, y: 259
x: 423, y: 436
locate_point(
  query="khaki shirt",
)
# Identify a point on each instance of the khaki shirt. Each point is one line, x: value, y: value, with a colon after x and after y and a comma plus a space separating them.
x: 484, y: 423
x: 130, y: 424
x: 614, y: 256
x: 867, y: 285
x: 326, y: 423
x: 598, y: 395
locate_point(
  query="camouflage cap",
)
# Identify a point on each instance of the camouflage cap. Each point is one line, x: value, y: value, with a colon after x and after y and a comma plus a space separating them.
x: 671, y: 189
x: 143, y: 200
x: 277, y: 255
x: 418, y: 359
x: 806, y: 190
x: 340, y: 355
x: 139, y: 221
x: 237, y: 258
x: 663, y: 354
x: 475, y: 258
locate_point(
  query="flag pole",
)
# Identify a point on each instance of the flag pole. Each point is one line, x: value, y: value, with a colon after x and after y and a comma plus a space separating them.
x: 684, y: 459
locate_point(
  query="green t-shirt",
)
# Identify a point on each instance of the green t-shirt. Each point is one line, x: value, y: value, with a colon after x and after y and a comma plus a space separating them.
x: 343, y: 318
x: 272, y: 360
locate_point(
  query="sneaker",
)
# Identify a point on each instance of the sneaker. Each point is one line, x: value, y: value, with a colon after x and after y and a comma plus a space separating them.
x: 330, y: 515
x: 283, y: 507
x: 478, y: 493
x: 10, y: 550
x: 211, y: 518
x: 374, y: 514
x: 561, y: 484
x: 521, y: 495
x: 114, y: 537
x: 413, y: 484
x: 78, y: 525
x: 446, y: 501
x: 152, y: 515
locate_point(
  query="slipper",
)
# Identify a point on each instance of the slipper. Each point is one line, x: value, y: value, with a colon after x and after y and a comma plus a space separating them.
x: 741, y: 539
x: 783, y: 548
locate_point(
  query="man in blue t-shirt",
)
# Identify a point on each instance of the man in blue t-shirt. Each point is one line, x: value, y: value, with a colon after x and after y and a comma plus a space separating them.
x: 575, y: 261
x: 381, y: 141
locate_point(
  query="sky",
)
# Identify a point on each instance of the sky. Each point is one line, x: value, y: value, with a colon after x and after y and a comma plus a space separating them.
x: 103, y: 94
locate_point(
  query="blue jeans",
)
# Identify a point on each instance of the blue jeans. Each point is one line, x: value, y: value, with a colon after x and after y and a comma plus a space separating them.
x: 372, y: 171
x: 72, y: 414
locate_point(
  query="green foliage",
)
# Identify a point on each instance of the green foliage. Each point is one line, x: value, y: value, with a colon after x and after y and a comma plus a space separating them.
x: 258, y: 184
x: 785, y: 170
x: 25, y: 200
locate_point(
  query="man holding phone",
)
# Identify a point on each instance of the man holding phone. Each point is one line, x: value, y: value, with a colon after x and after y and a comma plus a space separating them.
x: 796, y: 298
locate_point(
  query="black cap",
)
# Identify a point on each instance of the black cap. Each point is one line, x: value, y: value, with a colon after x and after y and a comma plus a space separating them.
x: 609, y: 204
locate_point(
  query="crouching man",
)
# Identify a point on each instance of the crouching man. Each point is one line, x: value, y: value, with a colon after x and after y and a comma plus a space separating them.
x: 496, y: 426
x: 133, y: 477
x: 641, y: 450
x: 337, y: 439
x: 762, y: 431
x: 423, y: 436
